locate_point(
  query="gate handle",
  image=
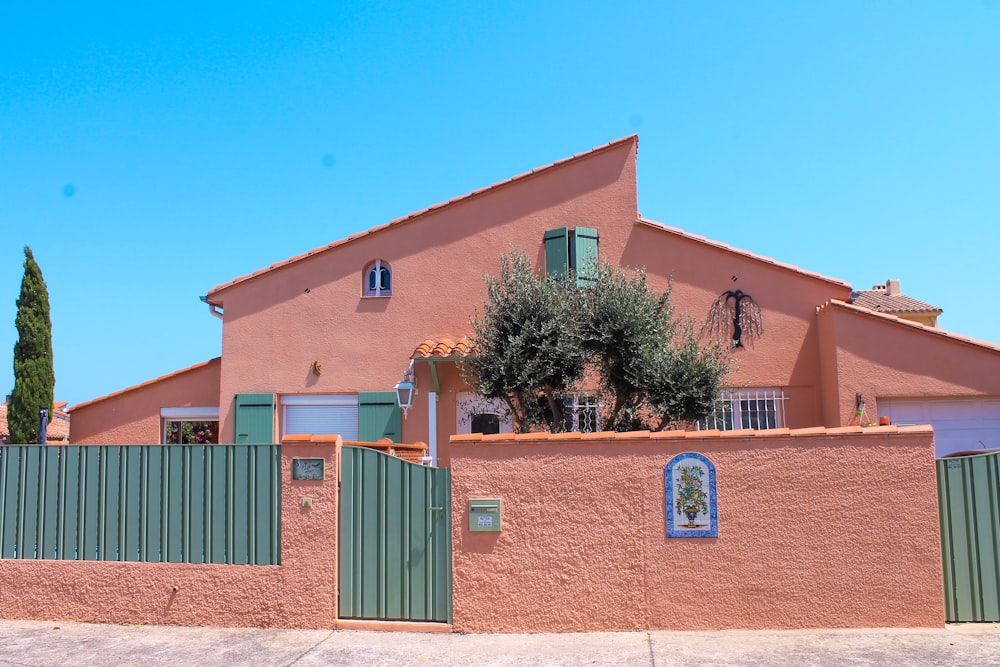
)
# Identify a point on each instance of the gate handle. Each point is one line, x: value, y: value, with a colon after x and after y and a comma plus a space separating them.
x: 437, y: 509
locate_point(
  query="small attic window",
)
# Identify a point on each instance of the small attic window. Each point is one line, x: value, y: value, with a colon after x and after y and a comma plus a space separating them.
x: 378, y: 279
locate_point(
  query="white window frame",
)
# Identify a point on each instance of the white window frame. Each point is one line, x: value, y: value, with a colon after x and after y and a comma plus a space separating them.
x: 733, y: 406
x: 468, y: 405
x: 377, y: 267
x: 192, y: 414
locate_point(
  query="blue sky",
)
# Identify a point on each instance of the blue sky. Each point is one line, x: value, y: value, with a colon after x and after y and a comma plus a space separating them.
x: 148, y: 154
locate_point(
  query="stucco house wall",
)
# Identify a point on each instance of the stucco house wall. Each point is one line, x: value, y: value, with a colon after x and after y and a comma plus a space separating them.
x: 438, y: 260
x: 132, y: 416
x: 816, y: 528
x: 816, y: 351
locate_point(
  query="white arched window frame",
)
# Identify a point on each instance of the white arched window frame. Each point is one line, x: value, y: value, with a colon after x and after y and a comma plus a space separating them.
x: 378, y: 279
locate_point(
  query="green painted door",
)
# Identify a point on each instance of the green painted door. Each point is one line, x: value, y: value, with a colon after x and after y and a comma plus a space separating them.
x: 378, y: 416
x: 254, y: 419
x: 395, y: 538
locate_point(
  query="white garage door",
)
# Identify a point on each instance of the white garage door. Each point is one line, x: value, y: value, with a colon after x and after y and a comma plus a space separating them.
x: 960, y: 424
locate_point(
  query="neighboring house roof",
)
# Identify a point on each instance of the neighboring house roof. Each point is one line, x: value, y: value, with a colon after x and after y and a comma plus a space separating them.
x: 895, y: 319
x: 215, y: 292
x: 888, y: 299
x: 443, y: 348
x: 58, y: 429
x: 145, y: 384
x: 745, y: 253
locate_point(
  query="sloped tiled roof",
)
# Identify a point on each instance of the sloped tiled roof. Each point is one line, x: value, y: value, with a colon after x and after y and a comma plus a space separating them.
x: 58, y: 429
x: 737, y: 251
x: 889, y: 317
x: 418, y: 214
x: 443, y: 348
x: 878, y: 300
x: 145, y: 384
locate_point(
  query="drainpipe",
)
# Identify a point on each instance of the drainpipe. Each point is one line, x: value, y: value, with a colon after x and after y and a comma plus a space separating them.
x: 212, y: 308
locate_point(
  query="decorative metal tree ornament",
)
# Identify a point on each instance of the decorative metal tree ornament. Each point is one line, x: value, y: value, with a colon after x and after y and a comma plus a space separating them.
x: 736, y: 309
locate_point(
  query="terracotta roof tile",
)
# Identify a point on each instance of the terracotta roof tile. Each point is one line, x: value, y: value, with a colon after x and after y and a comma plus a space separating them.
x: 443, y: 348
x: 878, y: 299
x: 146, y: 383
x: 58, y: 429
x: 746, y: 253
x: 417, y: 214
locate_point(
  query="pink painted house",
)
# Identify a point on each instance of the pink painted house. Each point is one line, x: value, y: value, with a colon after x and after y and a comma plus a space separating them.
x: 317, y: 343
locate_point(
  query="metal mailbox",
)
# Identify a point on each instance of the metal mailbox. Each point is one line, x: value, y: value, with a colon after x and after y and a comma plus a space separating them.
x: 484, y: 514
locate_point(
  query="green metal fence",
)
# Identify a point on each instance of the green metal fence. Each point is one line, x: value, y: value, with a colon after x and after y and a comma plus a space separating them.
x: 395, y: 538
x: 969, y: 502
x: 169, y: 504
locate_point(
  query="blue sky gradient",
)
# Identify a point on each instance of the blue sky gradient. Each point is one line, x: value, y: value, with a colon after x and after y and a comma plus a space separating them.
x: 148, y: 154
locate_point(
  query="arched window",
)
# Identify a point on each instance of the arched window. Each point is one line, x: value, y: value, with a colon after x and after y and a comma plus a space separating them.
x: 378, y: 279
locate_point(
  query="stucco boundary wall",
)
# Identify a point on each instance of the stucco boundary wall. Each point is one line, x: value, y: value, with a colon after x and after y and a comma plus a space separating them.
x: 817, y: 528
x: 298, y: 593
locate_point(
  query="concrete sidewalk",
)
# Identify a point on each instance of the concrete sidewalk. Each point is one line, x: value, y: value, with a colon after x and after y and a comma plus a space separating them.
x: 60, y: 643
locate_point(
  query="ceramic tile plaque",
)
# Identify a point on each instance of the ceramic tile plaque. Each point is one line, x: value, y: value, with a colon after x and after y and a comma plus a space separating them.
x: 307, y: 468
x: 692, y: 510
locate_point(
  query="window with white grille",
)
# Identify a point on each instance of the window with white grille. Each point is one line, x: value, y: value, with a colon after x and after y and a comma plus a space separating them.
x: 581, y: 413
x: 758, y: 409
x: 378, y: 279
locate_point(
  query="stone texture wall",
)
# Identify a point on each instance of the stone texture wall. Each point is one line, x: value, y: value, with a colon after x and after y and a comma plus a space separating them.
x: 817, y: 528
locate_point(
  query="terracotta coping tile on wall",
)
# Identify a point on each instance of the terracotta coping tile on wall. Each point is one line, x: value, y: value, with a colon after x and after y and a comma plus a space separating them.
x: 892, y: 428
x: 632, y: 435
x: 806, y: 432
x: 844, y: 430
x: 774, y: 431
x: 669, y: 435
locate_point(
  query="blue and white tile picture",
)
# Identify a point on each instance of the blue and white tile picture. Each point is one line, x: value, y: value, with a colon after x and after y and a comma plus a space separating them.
x: 691, y: 503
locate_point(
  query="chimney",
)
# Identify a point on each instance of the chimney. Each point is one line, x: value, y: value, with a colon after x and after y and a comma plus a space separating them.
x: 892, y: 287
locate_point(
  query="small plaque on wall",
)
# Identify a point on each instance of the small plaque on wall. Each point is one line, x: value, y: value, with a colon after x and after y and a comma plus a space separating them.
x: 307, y: 468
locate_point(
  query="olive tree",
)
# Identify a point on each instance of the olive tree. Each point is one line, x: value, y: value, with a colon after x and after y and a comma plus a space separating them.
x: 526, y: 346
x: 538, y: 337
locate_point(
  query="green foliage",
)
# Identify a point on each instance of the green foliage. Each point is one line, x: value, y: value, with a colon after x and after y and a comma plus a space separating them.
x: 192, y: 433
x: 526, y: 348
x: 540, y: 336
x: 34, y: 378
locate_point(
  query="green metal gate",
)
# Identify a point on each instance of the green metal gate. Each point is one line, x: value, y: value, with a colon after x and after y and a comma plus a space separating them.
x: 969, y: 503
x: 395, y: 538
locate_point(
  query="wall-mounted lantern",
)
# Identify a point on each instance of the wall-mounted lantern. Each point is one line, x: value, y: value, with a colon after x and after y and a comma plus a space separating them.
x: 406, y: 389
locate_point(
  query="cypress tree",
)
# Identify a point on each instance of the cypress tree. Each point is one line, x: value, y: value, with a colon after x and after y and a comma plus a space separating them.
x: 34, y: 378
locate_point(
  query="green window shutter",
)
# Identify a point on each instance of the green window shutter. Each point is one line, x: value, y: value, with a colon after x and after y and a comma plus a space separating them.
x: 583, y: 256
x: 557, y: 252
x: 254, y: 419
x: 378, y: 416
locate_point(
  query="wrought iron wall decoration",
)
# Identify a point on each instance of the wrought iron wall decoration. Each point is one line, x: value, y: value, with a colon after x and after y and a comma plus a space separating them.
x: 736, y: 309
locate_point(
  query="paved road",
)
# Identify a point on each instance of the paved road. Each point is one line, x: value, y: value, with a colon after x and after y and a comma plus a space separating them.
x: 59, y: 643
